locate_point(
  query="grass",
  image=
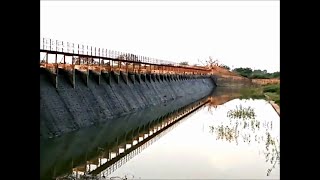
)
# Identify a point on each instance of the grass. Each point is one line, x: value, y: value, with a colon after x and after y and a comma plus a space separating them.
x: 271, y: 91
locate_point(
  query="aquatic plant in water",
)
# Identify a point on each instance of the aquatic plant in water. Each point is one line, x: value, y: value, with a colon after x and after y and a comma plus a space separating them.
x: 241, y: 113
x: 248, y: 131
x: 272, y: 154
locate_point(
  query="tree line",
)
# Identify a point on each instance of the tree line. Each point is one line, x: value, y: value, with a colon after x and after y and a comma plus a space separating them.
x: 256, y: 74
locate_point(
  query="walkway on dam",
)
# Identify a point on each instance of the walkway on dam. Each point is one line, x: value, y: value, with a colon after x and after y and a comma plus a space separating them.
x: 74, y: 58
x: 93, y: 58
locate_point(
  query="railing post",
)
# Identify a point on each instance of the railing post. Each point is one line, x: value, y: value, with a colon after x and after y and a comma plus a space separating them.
x: 99, y: 62
x: 87, y: 50
x: 139, y: 70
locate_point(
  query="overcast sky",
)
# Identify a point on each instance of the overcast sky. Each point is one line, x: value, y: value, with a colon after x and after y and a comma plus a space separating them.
x: 238, y: 33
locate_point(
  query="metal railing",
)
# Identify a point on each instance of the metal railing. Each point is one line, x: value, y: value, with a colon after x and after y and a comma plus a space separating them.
x: 47, y: 44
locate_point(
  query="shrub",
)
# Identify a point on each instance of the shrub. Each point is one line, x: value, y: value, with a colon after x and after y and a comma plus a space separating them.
x: 272, y: 89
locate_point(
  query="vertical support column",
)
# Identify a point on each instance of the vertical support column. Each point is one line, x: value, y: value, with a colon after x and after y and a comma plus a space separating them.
x: 46, y: 64
x: 86, y: 164
x: 71, y: 163
x: 54, y: 172
x: 43, y: 44
x: 117, y: 147
x: 64, y: 60
x: 111, y: 69
x: 55, y: 74
x: 86, y: 74
x: 127, y: 67
x: 133, y: 67
x: 77, y: 173
x: 73, y: 73
x: 139, y: 71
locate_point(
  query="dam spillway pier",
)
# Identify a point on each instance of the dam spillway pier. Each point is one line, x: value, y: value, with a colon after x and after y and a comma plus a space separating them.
x: 81, y: 86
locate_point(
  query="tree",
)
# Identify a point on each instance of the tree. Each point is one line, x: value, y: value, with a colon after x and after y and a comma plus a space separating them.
x: 224, y: 66
x: 245, y: 72
x: 129, y: 57
x: 275, y: 75
x: 209, y: 63
x: 184, y: 63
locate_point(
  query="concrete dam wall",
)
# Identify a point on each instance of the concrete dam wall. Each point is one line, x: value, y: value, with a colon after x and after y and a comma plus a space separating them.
x: 232, y: 81
x: 68, y: 105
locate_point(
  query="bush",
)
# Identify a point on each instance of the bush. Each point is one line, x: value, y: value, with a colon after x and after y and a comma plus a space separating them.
x: 272, y: 89
x: 255, y: 93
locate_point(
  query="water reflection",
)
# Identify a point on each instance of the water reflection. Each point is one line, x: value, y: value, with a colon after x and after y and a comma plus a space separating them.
x: 238, y: 150
x: 96, y: 152
x: 222, y: 95
x: 122, y: 149
x: 244, y: 126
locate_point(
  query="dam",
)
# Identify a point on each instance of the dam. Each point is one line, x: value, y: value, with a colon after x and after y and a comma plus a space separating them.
x: 86, y: 86
x: 118, y: 100
x: 106, y: 114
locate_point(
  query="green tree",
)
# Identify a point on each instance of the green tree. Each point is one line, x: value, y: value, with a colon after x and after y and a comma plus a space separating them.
x: 275, y: 75
x: 184, y: 63
x: 245, y: 72
x: 224, y: 66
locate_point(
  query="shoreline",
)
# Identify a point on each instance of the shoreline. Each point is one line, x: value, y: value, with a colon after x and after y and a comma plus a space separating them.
x: 275, y: 106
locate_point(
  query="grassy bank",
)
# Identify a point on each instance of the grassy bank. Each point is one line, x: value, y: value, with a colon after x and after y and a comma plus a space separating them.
x: 267, y: 92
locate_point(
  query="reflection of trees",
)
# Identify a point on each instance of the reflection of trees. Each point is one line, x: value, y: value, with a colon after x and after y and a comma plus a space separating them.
x: 214, y: 101
x: 243, y: 126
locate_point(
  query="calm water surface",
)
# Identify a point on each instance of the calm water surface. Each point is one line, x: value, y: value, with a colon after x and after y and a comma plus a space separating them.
x: 210, y: 145
x: 227, y: 138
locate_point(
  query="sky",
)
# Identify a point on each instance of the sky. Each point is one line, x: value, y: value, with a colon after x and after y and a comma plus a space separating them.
x: 237, y: 33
